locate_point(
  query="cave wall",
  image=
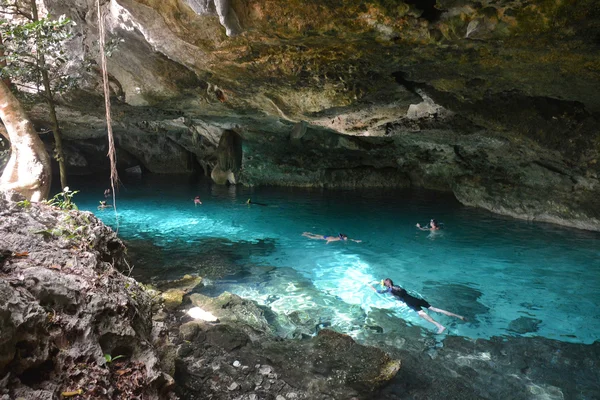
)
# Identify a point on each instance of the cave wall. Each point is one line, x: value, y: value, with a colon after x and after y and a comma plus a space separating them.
x: 495, y: 101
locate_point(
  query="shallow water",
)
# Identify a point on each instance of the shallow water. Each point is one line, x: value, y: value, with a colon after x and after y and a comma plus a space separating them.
x: 508, y: 277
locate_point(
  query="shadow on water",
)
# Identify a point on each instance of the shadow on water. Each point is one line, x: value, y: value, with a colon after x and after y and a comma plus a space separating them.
x: 213, y: 258
x: 457, y: 298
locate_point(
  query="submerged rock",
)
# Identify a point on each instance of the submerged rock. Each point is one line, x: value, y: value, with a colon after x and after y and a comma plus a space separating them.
x: 524, y: 325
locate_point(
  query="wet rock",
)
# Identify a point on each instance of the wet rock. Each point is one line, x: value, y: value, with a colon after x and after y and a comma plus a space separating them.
x: 232, y: 309
x: 330, y: 365
x: 187, y: 283
x: 173, y: 298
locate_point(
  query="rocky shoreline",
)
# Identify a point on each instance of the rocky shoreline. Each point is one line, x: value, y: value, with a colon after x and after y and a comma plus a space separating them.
x: 73, y: 326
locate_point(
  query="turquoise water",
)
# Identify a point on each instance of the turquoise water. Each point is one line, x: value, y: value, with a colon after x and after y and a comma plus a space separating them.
x: 508, y: 277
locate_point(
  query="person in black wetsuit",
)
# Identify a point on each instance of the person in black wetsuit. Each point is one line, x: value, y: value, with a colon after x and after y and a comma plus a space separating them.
x: 415, y: 303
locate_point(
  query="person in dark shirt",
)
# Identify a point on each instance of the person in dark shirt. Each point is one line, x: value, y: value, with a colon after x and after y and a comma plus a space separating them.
x: 250, y: 202
x: 415, y: 303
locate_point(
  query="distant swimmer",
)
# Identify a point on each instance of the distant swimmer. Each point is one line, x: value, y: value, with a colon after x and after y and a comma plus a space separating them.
x: 415, y: 303
x: 250, y: 202
x: 433, y: 226
x: 197, y: 200
x: 329, y: 239
x: 103, y: 205
x: 107, y: 193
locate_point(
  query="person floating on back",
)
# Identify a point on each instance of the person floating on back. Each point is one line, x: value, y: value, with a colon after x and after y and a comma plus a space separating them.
x: 329, y: 239
x: 197, y: 200
x: 415, y: 303
x: 250, y: 202
x: 433, y: 226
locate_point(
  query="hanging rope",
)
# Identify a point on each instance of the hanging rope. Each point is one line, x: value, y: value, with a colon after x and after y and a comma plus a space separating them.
x: 112, y: 154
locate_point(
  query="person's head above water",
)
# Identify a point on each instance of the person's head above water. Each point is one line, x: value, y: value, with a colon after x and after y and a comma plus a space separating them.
x: 433, y: 222
x: 343, y: 237
x: 387, y: 282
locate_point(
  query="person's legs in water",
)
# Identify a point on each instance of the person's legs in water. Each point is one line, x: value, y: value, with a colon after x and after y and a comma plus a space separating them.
x: 426, y: 317
x: 439, y: 310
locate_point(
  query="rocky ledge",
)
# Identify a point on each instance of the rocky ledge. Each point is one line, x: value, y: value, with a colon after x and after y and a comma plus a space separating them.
x: 71, y: 323
x: 73, y: 326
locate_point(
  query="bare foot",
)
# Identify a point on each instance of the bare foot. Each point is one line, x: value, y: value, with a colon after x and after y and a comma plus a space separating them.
x: 462, y: 318
x: 441, y: 329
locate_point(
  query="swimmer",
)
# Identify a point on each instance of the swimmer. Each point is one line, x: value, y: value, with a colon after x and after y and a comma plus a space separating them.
x: 329, y: 239
x: 103, y: 205
x: 433, y: 226
x: 416, y: 304
x: 197, y: 201
x: 107, y: 193
x: 250, y: 202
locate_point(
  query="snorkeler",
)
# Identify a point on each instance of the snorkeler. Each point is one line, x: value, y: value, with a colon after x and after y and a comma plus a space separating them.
x: 103, y: 205
x: 415, y: 303
x: 197, y: 201
x: 329, y: 239
x: 250, y: 202
x: 433, y: 226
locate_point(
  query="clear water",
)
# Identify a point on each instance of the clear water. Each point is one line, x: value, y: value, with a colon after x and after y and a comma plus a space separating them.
x: 507, y: 276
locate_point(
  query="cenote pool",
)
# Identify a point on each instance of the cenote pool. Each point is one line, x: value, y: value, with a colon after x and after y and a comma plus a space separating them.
x: 508, y: 277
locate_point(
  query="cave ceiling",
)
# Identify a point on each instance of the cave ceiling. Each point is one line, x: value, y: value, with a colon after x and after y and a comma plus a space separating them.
x: 469, y: 96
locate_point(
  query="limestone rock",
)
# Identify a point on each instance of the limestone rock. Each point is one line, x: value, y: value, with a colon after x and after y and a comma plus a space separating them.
x: 64, y: 307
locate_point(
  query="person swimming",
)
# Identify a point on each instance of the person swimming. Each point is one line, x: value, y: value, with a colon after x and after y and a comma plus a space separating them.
x: 433, y: 226
x: 103, y: 205
x: 197, y: 200
x: 329, y: 239
x: 250, y: 202
x: 415, y: 303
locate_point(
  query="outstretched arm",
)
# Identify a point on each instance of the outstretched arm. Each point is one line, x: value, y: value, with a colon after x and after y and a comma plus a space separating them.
x: 422, y: 228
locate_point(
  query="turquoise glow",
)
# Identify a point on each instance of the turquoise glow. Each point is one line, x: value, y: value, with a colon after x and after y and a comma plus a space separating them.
x: 490, y: 268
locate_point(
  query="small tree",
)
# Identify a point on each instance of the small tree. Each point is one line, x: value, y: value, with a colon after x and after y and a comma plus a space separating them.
x: 33, y: 55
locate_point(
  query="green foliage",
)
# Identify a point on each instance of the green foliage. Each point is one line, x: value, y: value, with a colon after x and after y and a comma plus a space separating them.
x: 63, y: 200
x: 26, y: 41
x: 24, y: 203
x: 110, y: 358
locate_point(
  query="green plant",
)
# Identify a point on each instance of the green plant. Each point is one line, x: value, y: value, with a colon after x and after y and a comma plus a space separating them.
x: 110, y: 358
x: 63, y: 200
x: 24, y: 203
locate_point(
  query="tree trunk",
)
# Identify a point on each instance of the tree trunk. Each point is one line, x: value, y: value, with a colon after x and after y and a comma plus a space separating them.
x: 28, y: 170
x: 50, y: 101
x: 6, y: 80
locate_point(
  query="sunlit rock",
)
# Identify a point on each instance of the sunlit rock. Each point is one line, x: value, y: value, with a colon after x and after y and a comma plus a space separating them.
x: 198, y: 313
